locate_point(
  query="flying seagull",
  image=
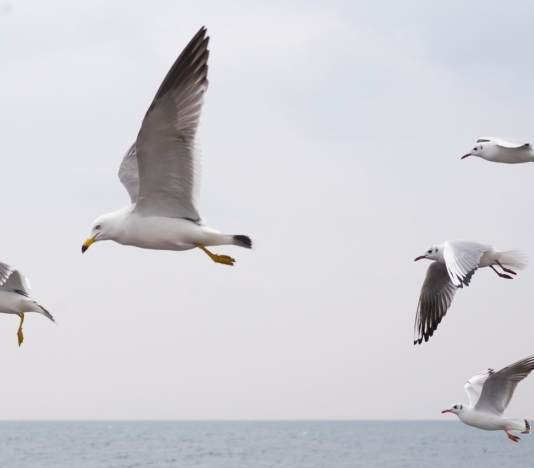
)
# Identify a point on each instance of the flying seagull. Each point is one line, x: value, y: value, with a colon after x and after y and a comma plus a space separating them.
x: 455, y: 263
x: 161, y: 169
x: 489, y: 393
x: 15, y: 296
x: 503, y: 150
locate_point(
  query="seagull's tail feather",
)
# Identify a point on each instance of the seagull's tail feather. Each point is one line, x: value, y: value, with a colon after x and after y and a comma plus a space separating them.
x: 515, y: 258
x: 527, y: 428
x: 242, y: 241
x: 43, y: 311
x: 519, y: 425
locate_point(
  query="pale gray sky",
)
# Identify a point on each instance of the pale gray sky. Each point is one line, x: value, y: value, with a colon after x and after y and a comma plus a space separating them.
x: 331, y: 134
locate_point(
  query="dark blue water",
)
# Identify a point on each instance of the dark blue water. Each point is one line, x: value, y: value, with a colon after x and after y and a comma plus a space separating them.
x: 257, y: 444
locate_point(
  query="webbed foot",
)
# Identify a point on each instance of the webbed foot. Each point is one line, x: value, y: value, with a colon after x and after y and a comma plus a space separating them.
x: 224, y: 259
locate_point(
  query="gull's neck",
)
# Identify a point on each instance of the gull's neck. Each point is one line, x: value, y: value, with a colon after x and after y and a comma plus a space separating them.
x: 115, y: 222
x: 466, y: 414
x: 440, y: 258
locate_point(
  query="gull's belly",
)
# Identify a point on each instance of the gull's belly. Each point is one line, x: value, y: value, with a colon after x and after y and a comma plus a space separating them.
x: 160, y: 233
x: 11, y: 303
x: 515, y: 156
x: 485, y: 421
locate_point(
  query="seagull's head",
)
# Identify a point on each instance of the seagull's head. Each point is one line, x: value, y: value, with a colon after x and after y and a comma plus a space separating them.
x: 99, y: 231
x: 432, y: 253
x: 108, y: 226
x: 457, y: 408
x: 481, y: 149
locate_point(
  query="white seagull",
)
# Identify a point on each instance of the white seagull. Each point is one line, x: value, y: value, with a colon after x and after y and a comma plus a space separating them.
x: 489, y: 393
x: 503, y: 150
x: 161, y: 169
x: 455, y: 263
x: 15, y: 296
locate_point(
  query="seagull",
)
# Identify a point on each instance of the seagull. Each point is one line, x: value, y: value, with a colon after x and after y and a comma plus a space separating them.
x: 489, y: 393
x: 161, y: 170
x: 503, y: 150
x: 455, y: 263
x: 15, y: 296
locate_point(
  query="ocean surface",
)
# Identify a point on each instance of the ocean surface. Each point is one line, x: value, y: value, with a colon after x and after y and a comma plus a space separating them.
x: 257, y: 444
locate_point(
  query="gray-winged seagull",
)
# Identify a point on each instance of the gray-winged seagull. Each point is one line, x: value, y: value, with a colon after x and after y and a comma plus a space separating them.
x: 489, y: 393
x: 161, y: 169
x: 15, y: 296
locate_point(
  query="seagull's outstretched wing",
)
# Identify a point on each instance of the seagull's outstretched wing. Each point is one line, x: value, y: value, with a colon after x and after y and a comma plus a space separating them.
x: 434, y: 301
x: 473, y: 386
x: 16, y: 282
x: 500, y: 386
x: 504, y: 142
x: 5, y: 272
x: 509, y: 143
x: 19, y: 284
x: 462, y: 258
x: 169, y: 171
x: 128, y: 173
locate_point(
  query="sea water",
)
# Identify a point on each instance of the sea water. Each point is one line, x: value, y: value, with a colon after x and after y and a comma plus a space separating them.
x: 257, y: 444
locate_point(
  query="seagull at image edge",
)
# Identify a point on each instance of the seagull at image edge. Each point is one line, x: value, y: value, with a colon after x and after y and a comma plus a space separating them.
x: 489, y: 394
x: 503, y: 150
x: 15, y: 296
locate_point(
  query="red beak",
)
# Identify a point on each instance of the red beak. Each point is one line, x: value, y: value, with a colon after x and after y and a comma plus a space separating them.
x: 446, y: 411
x: 465, y: 155
x: 419, y: 258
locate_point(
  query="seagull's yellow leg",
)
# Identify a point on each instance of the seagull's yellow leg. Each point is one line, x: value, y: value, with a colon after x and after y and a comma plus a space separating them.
x: 20, y: 336
x: 224, y: 259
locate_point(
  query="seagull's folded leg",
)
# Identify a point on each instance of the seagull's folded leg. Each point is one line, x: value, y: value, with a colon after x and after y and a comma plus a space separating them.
x: 502, y: 275
x: 506, y: 269
x: 20, y: 336
x: 224, y: 259
x: 512, y: 437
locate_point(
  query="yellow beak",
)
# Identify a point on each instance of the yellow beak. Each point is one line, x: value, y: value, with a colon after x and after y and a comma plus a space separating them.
x: 88, y: 242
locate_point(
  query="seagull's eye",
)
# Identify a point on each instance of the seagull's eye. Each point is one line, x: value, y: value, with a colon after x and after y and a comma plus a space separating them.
x: 430, y: 251
x: 455, y: 407
x: 98, y: 226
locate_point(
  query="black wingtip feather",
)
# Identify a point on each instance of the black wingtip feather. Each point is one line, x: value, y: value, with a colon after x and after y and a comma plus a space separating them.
x: 194, y: 53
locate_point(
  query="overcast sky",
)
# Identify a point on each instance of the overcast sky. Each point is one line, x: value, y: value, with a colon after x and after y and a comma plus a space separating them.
x: 331, y: 135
